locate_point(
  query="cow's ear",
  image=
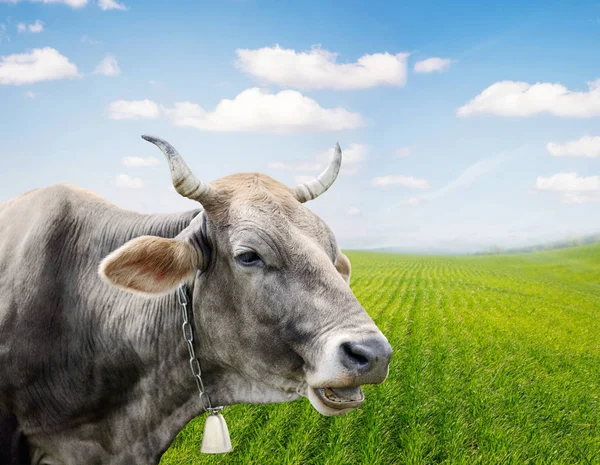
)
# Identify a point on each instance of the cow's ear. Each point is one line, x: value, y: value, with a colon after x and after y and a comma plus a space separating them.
x: 342, y: 264
x: 152, y: 265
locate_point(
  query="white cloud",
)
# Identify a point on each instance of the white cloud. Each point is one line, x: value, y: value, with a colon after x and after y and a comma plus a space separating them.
x: 102, y: 4
x: 404, y: 181
x: 568, y: 182
x: 111, y: 5
x: 353, y: 211
x: 35, y: 28
x: 511, y: 98
x: 133, y: 109
x: 138, y: 162
x: 572, y: 188
x: 317, y: 68
x: 128, y: 182
x: 403, y: 152
x: 108, y: 67
x: 29, y: 94
x: 431, y: 65
x: 352, y: 157
x: 252, y: 110
x: 41, y: 64
x: 258, y: 110
x: 71, y: 3
x: 587, y: 146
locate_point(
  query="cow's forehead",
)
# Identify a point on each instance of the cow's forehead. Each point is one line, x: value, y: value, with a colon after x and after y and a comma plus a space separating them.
x: 250, y: 201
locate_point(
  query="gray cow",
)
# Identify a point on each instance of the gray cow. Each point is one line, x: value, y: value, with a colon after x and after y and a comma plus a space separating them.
x: 93, y: 368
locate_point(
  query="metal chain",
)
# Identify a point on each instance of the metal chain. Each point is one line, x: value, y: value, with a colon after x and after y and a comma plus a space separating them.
x: 188, y: 335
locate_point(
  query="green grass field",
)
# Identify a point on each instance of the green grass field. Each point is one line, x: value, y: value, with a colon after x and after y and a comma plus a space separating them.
x: 496, y: 360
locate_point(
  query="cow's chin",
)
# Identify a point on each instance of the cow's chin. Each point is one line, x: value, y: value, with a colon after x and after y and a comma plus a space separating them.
x: 335, y: 401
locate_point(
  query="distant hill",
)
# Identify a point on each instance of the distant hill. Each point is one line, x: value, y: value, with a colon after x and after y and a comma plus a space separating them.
x: 561, y: 244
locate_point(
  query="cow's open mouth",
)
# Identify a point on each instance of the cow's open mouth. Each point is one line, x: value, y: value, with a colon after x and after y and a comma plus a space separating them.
x: 341, y: 398
x: 335, y: 401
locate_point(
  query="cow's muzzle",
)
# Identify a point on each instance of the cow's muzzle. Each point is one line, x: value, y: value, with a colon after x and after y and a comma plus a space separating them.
x: 369, y: 359
x: 350, y: 362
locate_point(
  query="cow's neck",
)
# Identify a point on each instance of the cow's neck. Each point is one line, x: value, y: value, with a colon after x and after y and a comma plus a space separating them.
x: 165, y: 397
x: 127, y: 385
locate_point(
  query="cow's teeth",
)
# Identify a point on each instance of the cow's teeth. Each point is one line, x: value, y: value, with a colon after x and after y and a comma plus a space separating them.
x: 353, y: 394
x: 341, y: 398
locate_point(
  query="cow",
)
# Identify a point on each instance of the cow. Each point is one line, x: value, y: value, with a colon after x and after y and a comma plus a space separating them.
x: 93, y: 365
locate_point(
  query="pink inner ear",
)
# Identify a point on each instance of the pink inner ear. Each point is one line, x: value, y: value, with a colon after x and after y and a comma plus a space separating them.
x: 160, y: 277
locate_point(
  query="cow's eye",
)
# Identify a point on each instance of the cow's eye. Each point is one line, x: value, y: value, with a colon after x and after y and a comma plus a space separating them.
x: 249, y: 259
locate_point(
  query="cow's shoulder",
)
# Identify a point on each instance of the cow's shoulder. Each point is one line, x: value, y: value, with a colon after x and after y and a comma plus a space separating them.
x: 39, y: 231
x: 60, y: 198
x: 48, y: 207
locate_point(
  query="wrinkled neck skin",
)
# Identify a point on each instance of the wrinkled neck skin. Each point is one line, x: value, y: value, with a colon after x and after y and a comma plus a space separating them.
x: 131, y: 385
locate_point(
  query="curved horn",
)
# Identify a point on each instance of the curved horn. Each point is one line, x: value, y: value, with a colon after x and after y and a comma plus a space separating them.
x: 184, y: 180
x: 312, y: 189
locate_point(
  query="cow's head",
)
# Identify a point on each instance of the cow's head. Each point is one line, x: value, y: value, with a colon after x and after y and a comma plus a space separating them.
x: 271, y: 292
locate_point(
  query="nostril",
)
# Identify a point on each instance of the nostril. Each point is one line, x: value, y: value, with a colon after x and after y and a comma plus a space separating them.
x: 355, y: 354
x: 366, y: 358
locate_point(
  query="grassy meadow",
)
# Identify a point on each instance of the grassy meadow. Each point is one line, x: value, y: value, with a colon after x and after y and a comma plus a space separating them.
x: 496, y: 361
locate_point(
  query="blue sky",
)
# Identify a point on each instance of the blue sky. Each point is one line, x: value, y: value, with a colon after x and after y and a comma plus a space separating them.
x: 464, y: 125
